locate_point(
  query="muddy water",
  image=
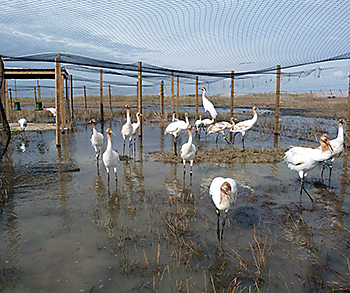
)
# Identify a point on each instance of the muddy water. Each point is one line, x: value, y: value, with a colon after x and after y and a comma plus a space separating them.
x: 155, y: 230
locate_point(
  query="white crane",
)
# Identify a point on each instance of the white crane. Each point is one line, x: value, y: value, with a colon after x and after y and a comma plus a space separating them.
x: 244, y: 126
x: 135, y: 127
x: 219, y: 128
x: 188, y: 151
x: 303, y: 159
x: 127, y: 129
x: 23, y: 124
x: 337, y: 146
x: 223, y: 192
x: 110, y: 157
x: 207, y: 105
x: 97, y: 139
x: 51, y: 110
x: 174, y: 128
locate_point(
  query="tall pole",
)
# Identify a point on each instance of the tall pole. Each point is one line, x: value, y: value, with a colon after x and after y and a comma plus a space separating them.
x: 277, y: 106
x: 85, y: 101
x: 172, y: 93
x: 232, y: 92
x: 177, y: 96
x: 57, y: 99
x: 62, y: 103
x: 162, y: 99
x: 101, y: 95
x: 347, y: 132
x: 11, y: 104
x: 110, y: 97
x: 35, y: 99
x: 139, y: 95
x: 196, y: 101
x: 7, y: 107
x: 39, y: 91
x: 71, y: 96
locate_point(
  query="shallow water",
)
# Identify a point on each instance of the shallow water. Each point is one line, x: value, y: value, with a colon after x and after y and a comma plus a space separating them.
x: 154, y: 230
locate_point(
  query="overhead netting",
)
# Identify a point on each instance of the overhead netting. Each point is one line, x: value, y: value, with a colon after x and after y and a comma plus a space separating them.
x: 208, y: 39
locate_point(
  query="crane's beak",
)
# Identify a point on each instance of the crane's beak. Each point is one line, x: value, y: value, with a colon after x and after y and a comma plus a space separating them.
x: 330, y: 146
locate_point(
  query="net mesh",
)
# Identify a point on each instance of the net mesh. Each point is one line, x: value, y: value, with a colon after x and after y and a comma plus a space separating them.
x: 209, y: 39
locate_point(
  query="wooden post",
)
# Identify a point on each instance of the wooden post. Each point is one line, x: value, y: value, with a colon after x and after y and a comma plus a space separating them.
x: 35, y: 99
x: 162, y: 99
x: 232, y: 92
x: 177, y: 96
x: 39, y: 91
x: 2, y: 97
x: 196, y: 101
x: 85, y: 101
x: 101, y: 95
x: 57, y: 99
x: 11, y: 104
x: 139, y: 95
x: 7, y: 107
x: 277, y: 106
x: 172, y: 93
x: 62, y: 104
x: 347, y: 132
x: 16, y: 90
x: 110, y: 97
x: 71, y: 96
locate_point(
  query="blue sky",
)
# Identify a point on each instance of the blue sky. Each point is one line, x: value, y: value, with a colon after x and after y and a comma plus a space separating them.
x: 219, y: 35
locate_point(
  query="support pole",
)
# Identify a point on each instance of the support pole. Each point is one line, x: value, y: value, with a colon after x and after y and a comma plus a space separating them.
x: 7, y: 106
x: 11, y: 104
x: 347, y: 132
x: 110, y: 97
x: 35, y: 99
x: 57, y: 99
x: 232, y: 92
x: 85, y: 101
x: 196, y: 101
x: 62, y: 104
x: 39, y: 91
x: 172, y: 93
x: 162, y: 99
x: 139, y: 95
x: 177, y: 96
x: 71, y: 97
x: 101, y: 95
x: 277, y: 106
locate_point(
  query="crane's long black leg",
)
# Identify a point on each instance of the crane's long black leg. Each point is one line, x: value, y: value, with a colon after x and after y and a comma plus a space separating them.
x: 243, y: 142
x: 223, y: 225
x: 124, y: 147
x: 323, y: 167
x: 184, y: 168
x: 175, y: 146
x: 217, y: 137
x: 233, y: 139
x: 226, y: 139
x: 330, y: 174
x: 303, y: 188
x: 218, y: 228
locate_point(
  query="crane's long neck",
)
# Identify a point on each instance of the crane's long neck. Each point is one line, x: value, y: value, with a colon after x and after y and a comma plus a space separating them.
x: 255, y: 117
x: 340, y: 136
x: 203, y: 95
x: 94, y: 130
x: 186, y: 119
x: 138, y: 118
x: 109, y: 142
x: 128, y: 120
x: 189, y: 136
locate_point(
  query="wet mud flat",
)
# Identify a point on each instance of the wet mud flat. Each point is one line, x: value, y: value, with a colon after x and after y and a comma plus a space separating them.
x: 155, y: 230
x: 226, y: 155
